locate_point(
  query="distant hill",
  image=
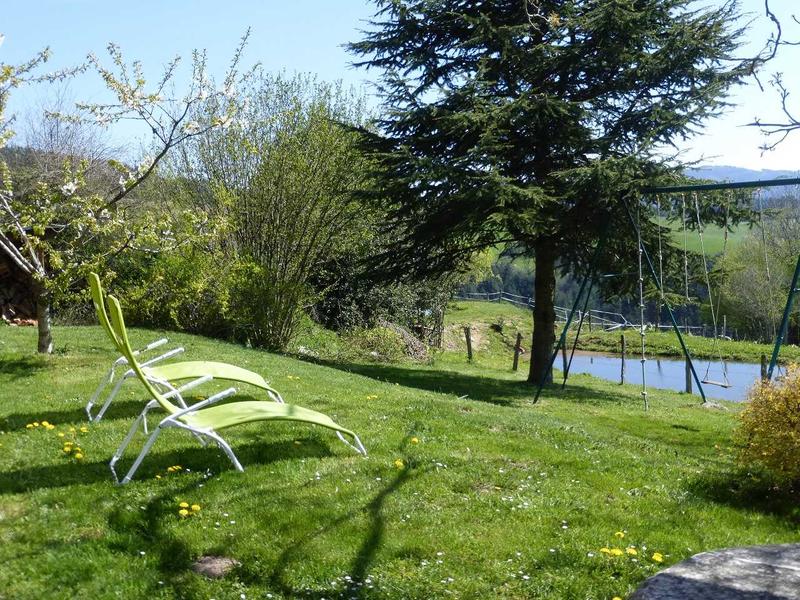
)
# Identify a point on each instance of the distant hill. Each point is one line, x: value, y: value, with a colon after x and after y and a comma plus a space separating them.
x: 726, y: 173
x: 772, y: 197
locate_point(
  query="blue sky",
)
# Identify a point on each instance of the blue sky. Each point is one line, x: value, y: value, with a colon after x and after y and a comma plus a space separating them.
x: 307, y: 36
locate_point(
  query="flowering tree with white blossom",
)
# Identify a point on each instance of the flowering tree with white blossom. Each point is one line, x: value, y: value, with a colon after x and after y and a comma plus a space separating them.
x: 60, y: 230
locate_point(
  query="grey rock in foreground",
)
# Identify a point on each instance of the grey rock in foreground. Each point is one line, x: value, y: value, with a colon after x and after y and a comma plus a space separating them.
x: 747, y: 573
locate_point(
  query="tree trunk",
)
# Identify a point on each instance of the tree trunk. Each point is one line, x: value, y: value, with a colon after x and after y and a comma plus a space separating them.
x: 544, y: 314
x: 43, y: 319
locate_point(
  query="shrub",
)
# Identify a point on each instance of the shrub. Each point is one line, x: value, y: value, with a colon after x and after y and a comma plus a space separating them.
x: 770, y: 427
x: 379, y: 343
x: 265, y: 311
x: 187, y: 292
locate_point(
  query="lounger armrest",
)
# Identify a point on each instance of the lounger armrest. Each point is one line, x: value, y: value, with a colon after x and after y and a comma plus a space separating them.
x: 201, y: 404
x: 184, y: 388
x: 164, y: 356
x: 154, y: 345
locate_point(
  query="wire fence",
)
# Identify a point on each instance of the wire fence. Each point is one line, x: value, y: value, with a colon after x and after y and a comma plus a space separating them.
x: 603, y: 319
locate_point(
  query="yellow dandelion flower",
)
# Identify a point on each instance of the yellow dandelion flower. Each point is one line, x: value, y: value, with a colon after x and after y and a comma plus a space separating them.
x: 616, y: 598
x: 658, y: 557
x: 158, y: 476
x: 184, y: 505
x: 50, y: 427
x: 620, y: 534
x: 60, y: 434
x: 78, y: 455
x: 36, y: 423
x: 605, y: 550
x: 29, y: 426
x: 399, y: 464
x: 84, y: 429
x: 616, y: 552
x: 72, y: 430
x: 177, y: 467
x: 45, y: 424
x: 195, y: 507
x: 415, y: 440
x: 170, y: 469
x: 67, y: 450
x: 631, y: 551
x: 183, y: 512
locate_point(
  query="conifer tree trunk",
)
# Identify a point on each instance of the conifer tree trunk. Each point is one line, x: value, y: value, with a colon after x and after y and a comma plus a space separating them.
x: 544, y: 315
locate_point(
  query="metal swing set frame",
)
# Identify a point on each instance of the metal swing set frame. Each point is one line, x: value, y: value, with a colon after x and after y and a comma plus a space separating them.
x: 587, y: 284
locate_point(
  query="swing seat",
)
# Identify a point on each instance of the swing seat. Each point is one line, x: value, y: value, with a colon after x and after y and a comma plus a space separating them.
x: 722, y: 384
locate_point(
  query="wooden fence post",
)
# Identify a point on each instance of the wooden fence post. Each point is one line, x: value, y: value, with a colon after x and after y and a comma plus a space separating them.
x: 763, y: 367
x: 622, y: 361
x: 517, y: 347
x: 468, y: 336
x: 688, y: 377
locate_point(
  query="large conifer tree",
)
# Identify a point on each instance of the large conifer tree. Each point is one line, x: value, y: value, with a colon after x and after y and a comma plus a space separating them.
x: 526, y: 122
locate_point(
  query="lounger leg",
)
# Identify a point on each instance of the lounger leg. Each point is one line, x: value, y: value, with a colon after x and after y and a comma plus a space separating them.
x: 103, y: 384
x: 112, y: 395
x: 131, y: 432
x: 275, y: 396
x: 148, y: 444
x: 359, y: 447
x: 226, y: 449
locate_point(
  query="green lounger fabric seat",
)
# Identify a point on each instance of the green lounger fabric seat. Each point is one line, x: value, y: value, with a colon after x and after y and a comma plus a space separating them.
x: 165, y: 375
x: 202, y: 419
x: 198, y: 368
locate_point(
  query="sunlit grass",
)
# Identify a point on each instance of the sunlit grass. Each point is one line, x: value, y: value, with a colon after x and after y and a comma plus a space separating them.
x: 496, y: 497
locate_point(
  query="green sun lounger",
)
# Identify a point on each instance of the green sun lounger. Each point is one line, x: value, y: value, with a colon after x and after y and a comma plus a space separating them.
x: 165, y: 376
x: 202, y: 419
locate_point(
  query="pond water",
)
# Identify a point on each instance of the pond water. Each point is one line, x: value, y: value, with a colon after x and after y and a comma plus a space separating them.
x: 668, y: 373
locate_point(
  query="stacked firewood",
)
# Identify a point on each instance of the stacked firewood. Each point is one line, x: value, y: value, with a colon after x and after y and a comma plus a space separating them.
x: 17, y: 306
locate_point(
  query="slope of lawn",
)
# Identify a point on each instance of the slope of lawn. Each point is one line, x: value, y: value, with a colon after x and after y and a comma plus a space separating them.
x: 469, y: 491
x: 482, y: 314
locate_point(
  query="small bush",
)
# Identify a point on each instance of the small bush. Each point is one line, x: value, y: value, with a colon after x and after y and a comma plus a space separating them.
x: 770, y: 427
x: 187, y: 292
x: 380, y: 344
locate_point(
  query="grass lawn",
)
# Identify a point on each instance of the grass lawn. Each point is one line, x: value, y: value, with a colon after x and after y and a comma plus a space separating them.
x: 499, y: 497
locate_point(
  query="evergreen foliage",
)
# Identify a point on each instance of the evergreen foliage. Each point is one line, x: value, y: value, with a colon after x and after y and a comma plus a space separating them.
x: 526, y: 122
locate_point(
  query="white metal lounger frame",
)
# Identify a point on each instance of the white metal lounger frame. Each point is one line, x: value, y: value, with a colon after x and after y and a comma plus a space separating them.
x: 170, y: 391
x: 199, y: 433
x: 108, y: 379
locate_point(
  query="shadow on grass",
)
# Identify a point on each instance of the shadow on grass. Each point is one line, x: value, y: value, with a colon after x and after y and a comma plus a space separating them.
x: 27, y: 479
x: 21, y: 366
x: 372, y: 541
x: 494, y: 390
x: 475, y: 387
x: 119, y: 410
x: 122, y: 409
x: 746, y: 491
x: 583, y: 394
x: 364, y: 558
